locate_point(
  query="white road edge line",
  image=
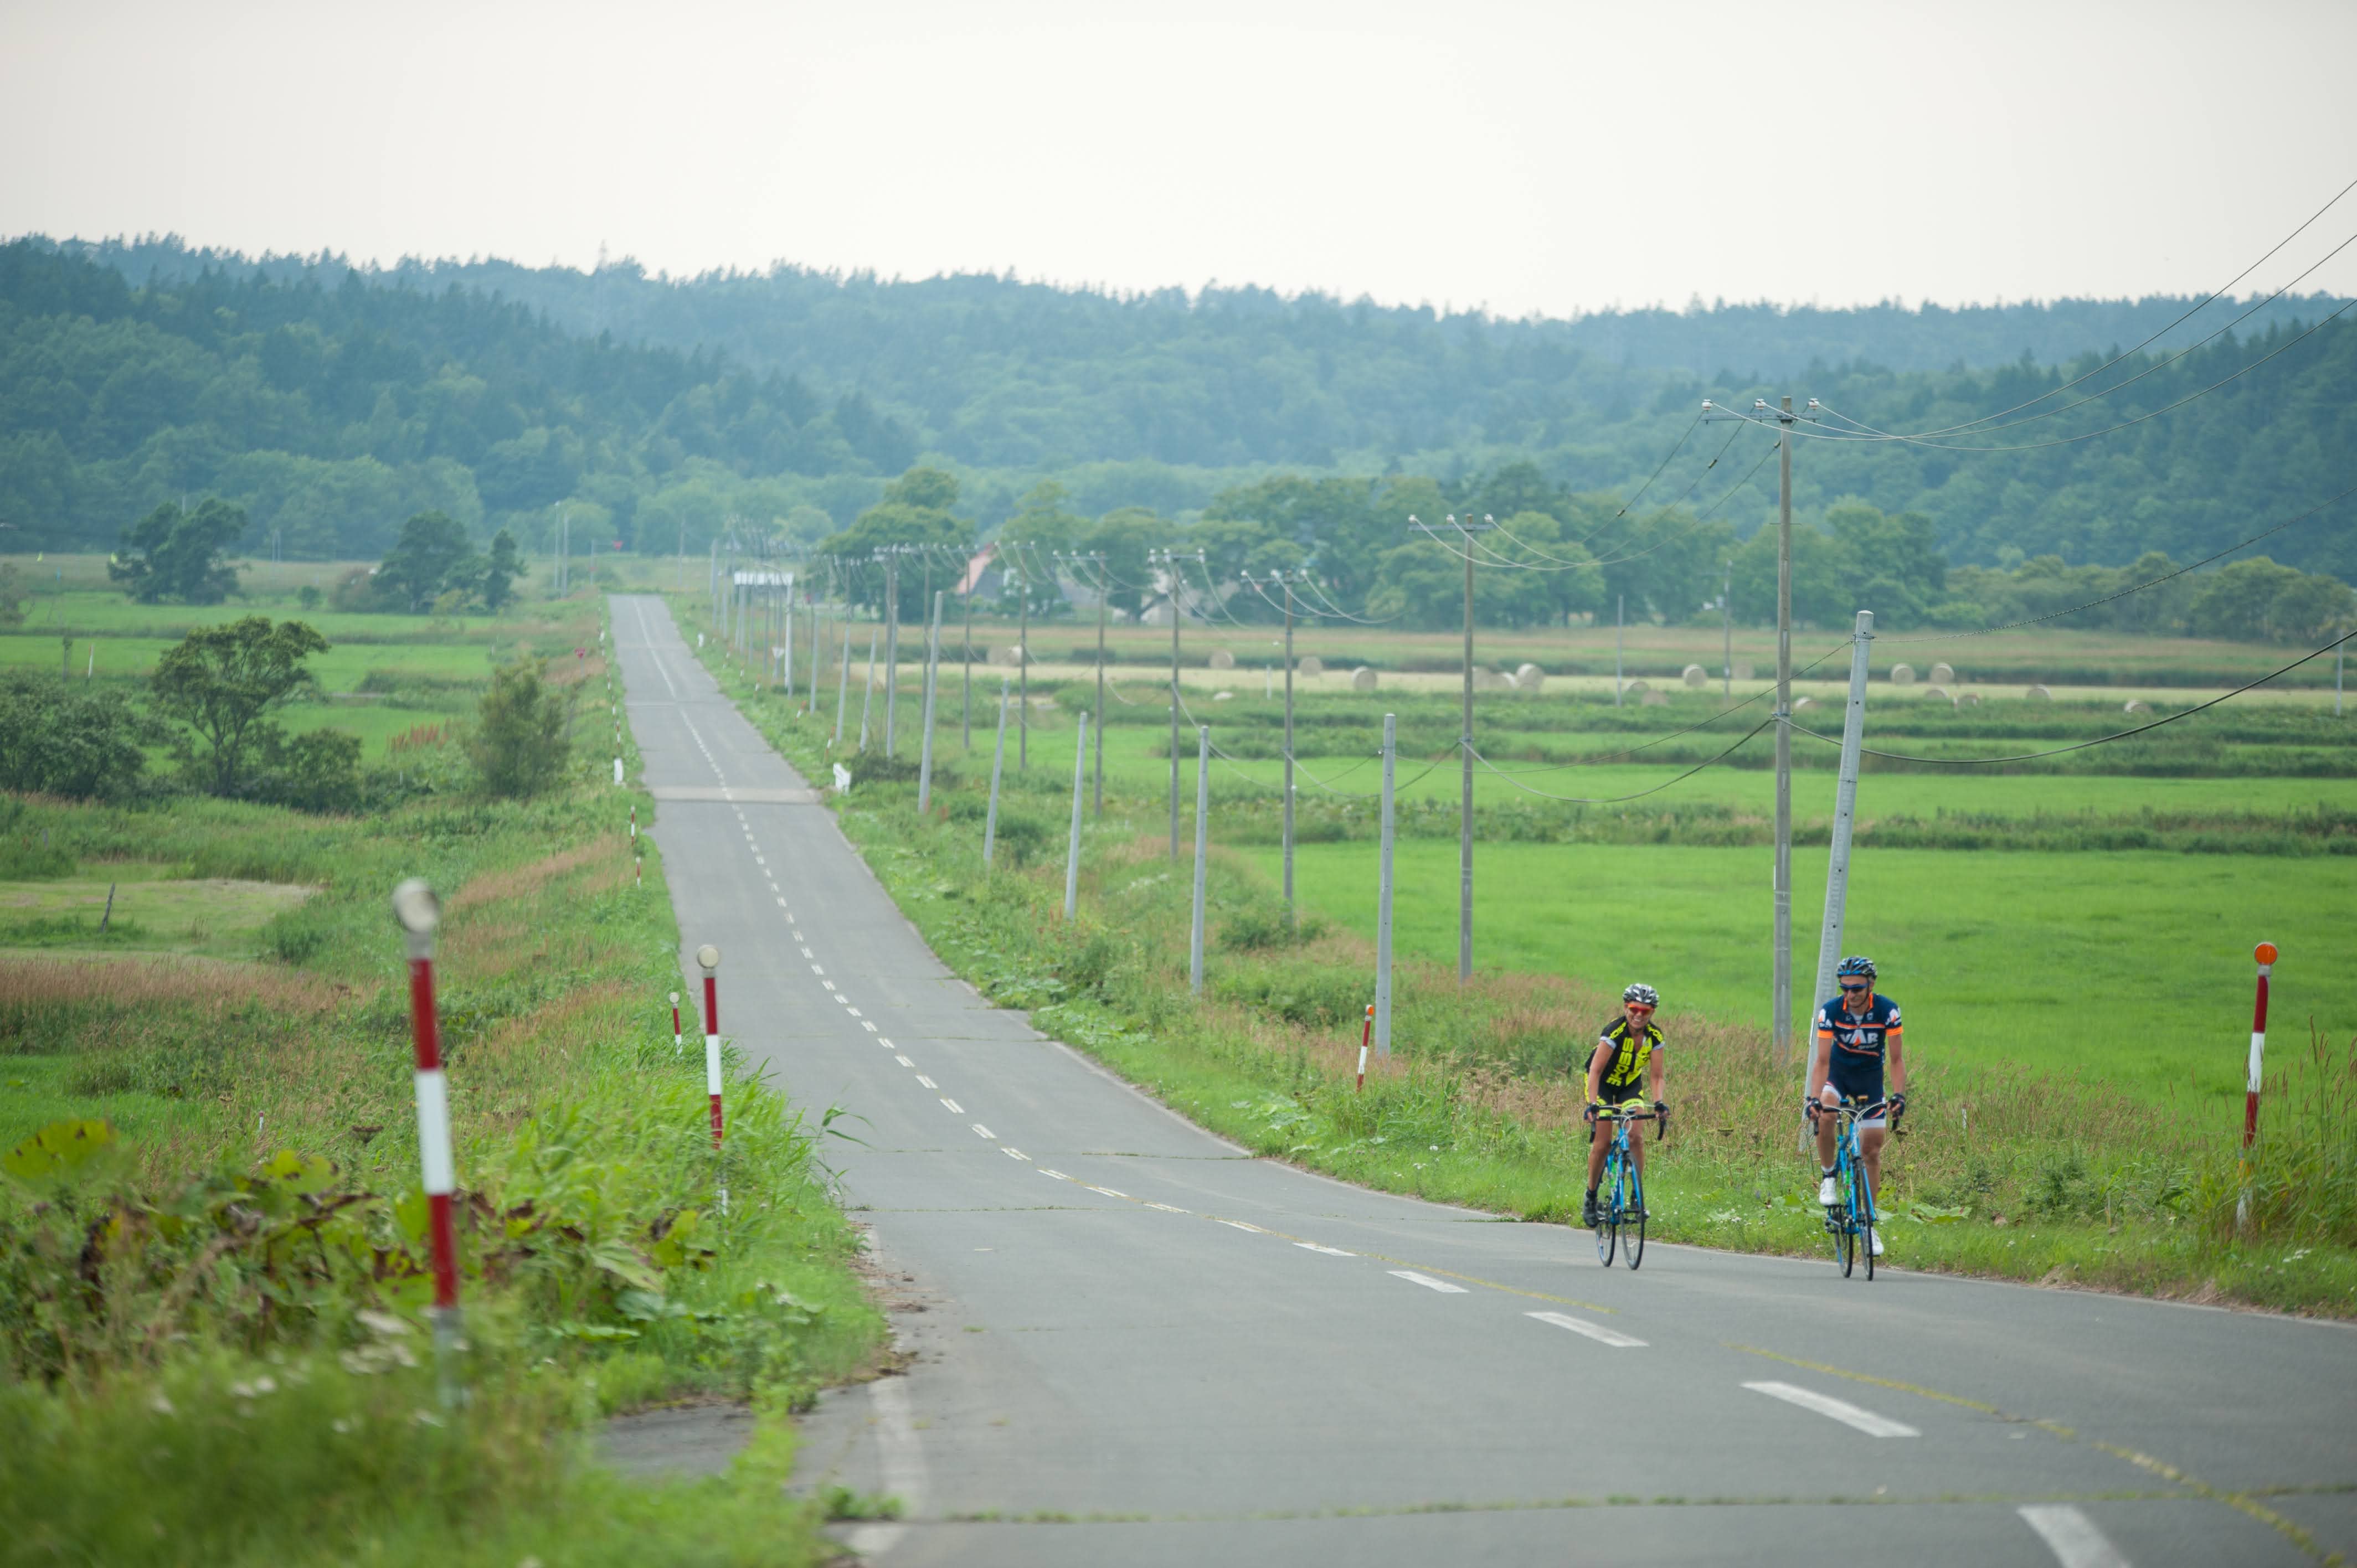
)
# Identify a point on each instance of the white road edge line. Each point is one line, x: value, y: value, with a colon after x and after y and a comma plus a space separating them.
x: 1848, y: 1414
x: 2071, y: 1535
x: 1428, y: 1283
x: 1329, y: 1251
x: 1595, y: 1331
x: 902, y: 1462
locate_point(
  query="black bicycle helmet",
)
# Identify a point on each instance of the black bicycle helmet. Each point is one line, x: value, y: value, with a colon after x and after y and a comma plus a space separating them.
x: 1641, y: 993
x: 1856, y: 963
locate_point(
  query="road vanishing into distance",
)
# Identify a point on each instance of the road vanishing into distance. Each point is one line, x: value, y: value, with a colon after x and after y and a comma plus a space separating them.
x: 1134, y: 1343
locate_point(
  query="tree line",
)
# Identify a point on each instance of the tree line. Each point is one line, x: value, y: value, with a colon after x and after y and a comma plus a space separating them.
x: 332, y: 404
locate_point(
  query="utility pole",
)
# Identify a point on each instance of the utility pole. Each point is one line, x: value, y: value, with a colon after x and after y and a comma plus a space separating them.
x: 1829, y: 936
x: 1104, y: 596
x: 1619, y: 630
x: 891, y: 642
x: 1170, y: 563
x: 965, y: 721
x: 1292, y: 914
x: 1727, y: 618
x: 1783, y: 416
x: 1022, y: 673
x: 1465, y: 526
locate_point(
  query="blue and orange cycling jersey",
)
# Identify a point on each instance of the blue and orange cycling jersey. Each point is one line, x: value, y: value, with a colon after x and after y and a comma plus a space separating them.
x: 1859, y: 1040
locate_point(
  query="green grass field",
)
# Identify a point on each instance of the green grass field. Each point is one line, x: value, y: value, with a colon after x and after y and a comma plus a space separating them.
x: 2132, y: 968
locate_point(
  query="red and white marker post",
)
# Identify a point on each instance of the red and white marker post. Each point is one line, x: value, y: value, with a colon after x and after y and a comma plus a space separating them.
x: 2265, y: 955
x: 1365, y: 1036
x: 676, y: 1040
x: 420, y: 913
x: 708, y: 957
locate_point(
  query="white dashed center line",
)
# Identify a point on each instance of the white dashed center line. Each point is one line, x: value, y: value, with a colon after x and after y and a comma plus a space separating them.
x: 955, y: 1108
x: 1168, y: 1209
x: 1595, y: 1331
x: 1242, y: 1226
x: 905, y: 1062
x: 1329, y: 1251
x: 2072, y: 1537
x: 1428, y: 1283
x: 982, y: 1132
x: 1848, y: 1414
x: 928, y: 1082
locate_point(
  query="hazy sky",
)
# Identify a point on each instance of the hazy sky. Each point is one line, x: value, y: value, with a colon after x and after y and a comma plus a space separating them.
x: 1546, y: 158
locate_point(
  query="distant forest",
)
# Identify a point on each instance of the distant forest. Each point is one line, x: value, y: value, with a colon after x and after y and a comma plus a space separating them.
x: 333, y: 402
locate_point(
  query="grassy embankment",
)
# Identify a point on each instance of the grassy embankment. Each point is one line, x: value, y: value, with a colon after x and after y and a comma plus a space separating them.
x: 2018, y: 1171
x: 210, y: 1342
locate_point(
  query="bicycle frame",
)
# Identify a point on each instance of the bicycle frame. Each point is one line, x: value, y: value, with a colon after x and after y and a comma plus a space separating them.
x: 1856, y: 1217
x: 1621, y: 1191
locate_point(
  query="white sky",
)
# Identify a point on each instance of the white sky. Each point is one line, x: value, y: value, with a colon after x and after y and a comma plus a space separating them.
x: 1528, y: 156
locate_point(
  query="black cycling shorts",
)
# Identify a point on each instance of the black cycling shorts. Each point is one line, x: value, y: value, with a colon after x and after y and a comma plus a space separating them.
x: 1855, y: 1079
x: 1617, y: 1095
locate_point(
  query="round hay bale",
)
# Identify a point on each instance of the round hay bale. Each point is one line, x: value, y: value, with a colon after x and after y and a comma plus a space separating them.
x: 1801, y: 702
x: 1362, y: 678
x: 2038, y: 695
x: 1222, y: 660
x: 1312, y: 666
x: 1695, y: 677
x: 1528, y: 676
x: 1902, y: 674
x: 1743, y: 670
x: 1223, y: 696
x: 1943, y: 673
x: 1655, y: 699
x: 1638, y: 688
x: 1009, y: 657
x: 2136, y: 705
x: 1940, y: 692
x: 1491, y: 681
x: 1968, y: 699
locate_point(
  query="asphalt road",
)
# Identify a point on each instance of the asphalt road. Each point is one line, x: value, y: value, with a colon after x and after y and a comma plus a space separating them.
x: 1134, y: 1343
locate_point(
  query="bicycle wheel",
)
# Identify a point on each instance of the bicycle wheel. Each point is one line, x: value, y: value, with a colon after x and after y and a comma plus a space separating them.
x: 1843, y: 1221
x: 1632, y: 1246
x: 1608, y: 1209
x: 1861, y: 1205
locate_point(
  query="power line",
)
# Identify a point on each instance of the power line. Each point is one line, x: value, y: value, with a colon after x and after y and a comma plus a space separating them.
x: 1616, y: 800
x: 2190, y: 313
x: 2100, y: 740
x: 2124, y: 593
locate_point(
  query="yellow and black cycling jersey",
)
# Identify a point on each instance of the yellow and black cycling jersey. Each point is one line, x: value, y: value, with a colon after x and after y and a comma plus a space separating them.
x: 1633, y: 1047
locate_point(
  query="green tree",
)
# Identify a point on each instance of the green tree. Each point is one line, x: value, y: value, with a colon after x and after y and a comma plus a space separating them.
x: 64, y: 739
x: 319, y: 770
x: 14, y: 590
x: 223, y: 681
x: 914, y: 517
x: 173, y: 553
x: 500, y: 570
x: 519, y: 744
x: 432, y: 555
x: 1822, y: 594
x: 1043, y: 523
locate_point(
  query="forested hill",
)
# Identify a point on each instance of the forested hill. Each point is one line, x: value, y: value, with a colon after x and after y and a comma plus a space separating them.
x: 330, y: 402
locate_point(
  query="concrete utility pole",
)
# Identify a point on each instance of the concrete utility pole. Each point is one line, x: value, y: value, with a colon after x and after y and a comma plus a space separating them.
x: 1727, y: 619
x: 891, y: 643
x: 1780, y: 1024
x: 1465, y: 526
x: 1202, y: 852
x: 997, y: 769
x: 1829, y: 936
x: 1072, y: 851
x: 1383, y: 893
x: 965, y: 721
x: 1292, y: 913
x: 1105, y: 598
x: 1619, y: 630
x: 1170, y: 563
x: 932, y: 684
x: 1023, y: 675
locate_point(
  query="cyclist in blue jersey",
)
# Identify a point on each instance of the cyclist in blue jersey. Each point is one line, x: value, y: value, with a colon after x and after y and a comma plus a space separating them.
x: 1629, y: 1046
x: 1855, y: 1031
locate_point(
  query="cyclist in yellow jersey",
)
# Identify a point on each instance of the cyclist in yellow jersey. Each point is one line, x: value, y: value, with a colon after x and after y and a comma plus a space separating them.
x: 1629, y: 1047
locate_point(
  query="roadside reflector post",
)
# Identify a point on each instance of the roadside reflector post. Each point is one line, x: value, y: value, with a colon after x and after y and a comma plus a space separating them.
x: 2265, y: 955
x: 420, y: 914
x: 1382, y: 1029
x: 634, y: 824
x: 1365, y: 1034
x: 707, y: 957
x: 677, y: 1040
x: 997, y: 767
x: 617, y: 772
x: 1202, y: 852
x: 1072, y: 851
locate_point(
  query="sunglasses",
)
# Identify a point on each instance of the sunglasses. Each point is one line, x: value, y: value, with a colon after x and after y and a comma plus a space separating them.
x: 1846, y: 987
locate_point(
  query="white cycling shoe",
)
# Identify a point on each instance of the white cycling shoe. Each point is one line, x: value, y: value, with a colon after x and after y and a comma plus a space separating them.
x: 1876, y: 1236
x: 1829, y: 1192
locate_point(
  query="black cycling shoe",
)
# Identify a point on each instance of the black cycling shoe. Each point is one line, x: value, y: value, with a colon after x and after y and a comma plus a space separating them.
x: 1588, y: 1212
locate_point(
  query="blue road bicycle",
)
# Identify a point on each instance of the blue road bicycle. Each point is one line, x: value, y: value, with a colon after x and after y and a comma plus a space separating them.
x: 1621, y: 1192
x: 1851, y: 1220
